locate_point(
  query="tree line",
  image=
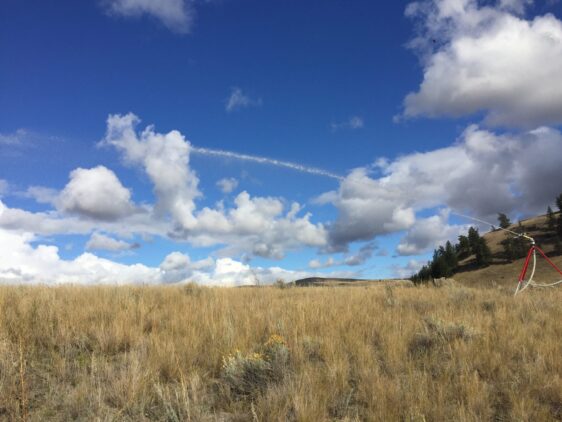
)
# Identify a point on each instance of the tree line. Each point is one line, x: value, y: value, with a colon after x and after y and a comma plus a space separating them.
x: 445, y: 261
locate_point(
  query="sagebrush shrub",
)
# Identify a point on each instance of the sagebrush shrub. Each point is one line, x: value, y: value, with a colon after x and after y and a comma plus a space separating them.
x: 248, y: 374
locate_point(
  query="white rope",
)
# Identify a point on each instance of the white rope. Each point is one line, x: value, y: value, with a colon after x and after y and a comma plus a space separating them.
x: 530, y: 281
x: 547, y: 285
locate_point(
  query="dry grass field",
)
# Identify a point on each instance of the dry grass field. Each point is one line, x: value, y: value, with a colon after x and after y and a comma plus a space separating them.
x: 272, y: 354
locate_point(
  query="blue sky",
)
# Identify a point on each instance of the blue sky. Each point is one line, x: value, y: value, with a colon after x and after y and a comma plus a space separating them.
x: 422, y: 109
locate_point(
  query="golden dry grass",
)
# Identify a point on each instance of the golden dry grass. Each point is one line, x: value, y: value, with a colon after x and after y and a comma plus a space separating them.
x: 368, y: 353
x: 507, y: 274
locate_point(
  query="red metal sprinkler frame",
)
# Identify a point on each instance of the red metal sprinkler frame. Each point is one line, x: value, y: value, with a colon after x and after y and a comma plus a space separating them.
x: 528, y: 259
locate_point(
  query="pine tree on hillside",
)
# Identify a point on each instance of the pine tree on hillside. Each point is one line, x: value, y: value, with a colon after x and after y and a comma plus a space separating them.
x: 444, y: 261
x: 425, y: 273
x: 439, y: 266
x: 473, y: 240
x: 503, y: 220
x: 550, y: 218
x: 520, y: 245
x: 451, y: 257
x: 483, y: 253
x: 559, y: 223
x: 507, y: 244
x: 463, y: 247
x: 479, y: 247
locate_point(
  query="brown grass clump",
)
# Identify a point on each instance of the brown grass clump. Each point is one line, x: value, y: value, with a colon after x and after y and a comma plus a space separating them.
x: 268, y: 354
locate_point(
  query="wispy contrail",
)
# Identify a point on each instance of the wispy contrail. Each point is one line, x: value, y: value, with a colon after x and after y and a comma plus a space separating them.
x: 265, y: 160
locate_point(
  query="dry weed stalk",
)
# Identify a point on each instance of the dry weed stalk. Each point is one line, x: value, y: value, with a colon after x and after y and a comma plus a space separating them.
x: 23, y: 387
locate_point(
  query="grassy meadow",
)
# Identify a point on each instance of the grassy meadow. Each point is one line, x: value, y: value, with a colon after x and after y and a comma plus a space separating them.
x: 272, y: 354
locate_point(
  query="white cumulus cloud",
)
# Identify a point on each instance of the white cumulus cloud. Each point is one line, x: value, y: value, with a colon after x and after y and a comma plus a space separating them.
x: 100, y: 241
x: 177, y: 15
x: 41, y: 194
x: 227, y: 185
x: 94, y: 200
x: 165, y: 159
x: 22, y: 262
x: 487, y: 58
x: 96, y: 193
x: 428, y: 233
x: 257, y: 225
x: 229, y: 272
x: 362, y: 255
x: 406, y: 271
x: 358, y: 258
x: 354, y: 122
x: 482, y: 173
x: 317, y: 264
x: 178, y: 267
x: 14, y: 138
x: 366, y: 208
x: 238, y: 100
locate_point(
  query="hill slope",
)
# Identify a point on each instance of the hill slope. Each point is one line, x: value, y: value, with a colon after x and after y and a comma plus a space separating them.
x: 503, y: 272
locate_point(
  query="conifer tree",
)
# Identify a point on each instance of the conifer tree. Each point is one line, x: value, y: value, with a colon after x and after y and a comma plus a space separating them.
x: 463, y: 247
x: 483, y: 253
x: 503, y: 220
x: 444, y: 262
x: 425, y: 273
x: 438, y: 264
x: 451, y: 258
x: 473, y: 240
x: 520, y: 247
x: 550, y: 218
x: 519, y: 244
x: 507, y: 244
x: 559, y: 223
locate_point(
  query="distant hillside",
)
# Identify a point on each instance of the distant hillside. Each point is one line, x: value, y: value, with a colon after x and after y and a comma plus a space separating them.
x: 504, y: 272
x: 321, y: 281
x: 500, y: 272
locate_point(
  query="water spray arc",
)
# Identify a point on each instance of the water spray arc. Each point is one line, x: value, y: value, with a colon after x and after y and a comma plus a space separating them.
x: 523, y: 284
x: 265, y: 160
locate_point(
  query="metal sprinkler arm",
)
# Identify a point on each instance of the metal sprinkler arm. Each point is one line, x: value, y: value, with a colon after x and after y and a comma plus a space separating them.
x: 525, y: 236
